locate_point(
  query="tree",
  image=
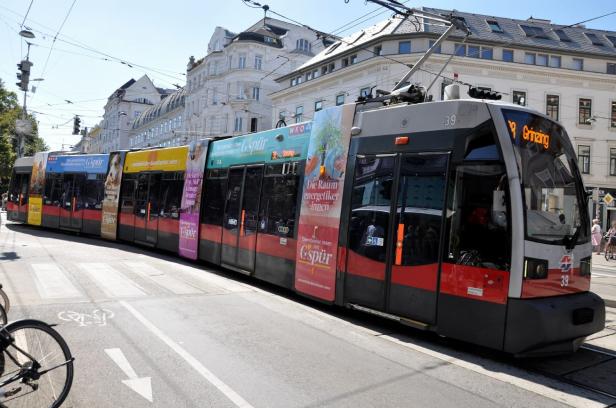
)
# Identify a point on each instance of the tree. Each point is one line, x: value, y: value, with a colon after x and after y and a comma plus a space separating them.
x: 10, y: 111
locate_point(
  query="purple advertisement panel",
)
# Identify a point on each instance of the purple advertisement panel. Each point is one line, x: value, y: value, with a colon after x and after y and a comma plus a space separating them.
x: 191, y: 199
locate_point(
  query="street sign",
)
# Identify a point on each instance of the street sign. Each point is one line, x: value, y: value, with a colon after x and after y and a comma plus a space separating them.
x: 608, y: 199
x: 23, y: 126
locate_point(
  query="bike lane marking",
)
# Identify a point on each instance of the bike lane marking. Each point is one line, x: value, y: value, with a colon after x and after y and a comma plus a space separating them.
x: 192, y: 361
x: 141, y: 385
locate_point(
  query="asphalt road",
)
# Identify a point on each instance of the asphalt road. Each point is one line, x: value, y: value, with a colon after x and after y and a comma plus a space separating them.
x: 149, y: 330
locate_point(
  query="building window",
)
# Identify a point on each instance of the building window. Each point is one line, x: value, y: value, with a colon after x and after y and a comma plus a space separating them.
x: 585, y: 111
x: 230, y: 61
x: 519, y: 98
x: 353, y: 59
x: 542, y: 60
x: 238, y: 124
x: 584, y: 159
x: 404, y: 47
x: 437, y: 50
x: 332, y: 66
x: 613, y: 115
x: 318, y: 105
x: 534, y: 32
x: 345, y: 62
x: 378, y: 50
x: 487, y: 53
x: 303, y: 45
x: 611, y: 68
x: 255, y: 93
x: 562, y: 36
x: 459, y: 50
x: 258, y: 62
x: 241, y: 62
x: 594, y: 39
x: 241, y: 93
x: 552, y: 106
x: 473, y: 51
x: 364, y: 92
x: 299, y: 114
x: 555, y: 61
x: 577, y: 64
x: 529, y: 58
x: 339, y: 99
x: 494, y: 26
x: 612, y: 162
x: 508, y: 55
x: 253, y: 125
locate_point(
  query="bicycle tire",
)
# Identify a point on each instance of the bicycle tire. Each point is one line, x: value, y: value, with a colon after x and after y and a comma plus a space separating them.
x: 3, y: 317
x: 6, y: 303
x: 49, y: 349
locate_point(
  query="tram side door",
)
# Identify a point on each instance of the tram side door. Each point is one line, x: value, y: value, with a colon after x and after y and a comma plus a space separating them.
x: 239, y: 235
x: 146, y: 208
x: 70, y: 206
x: 395, y: 234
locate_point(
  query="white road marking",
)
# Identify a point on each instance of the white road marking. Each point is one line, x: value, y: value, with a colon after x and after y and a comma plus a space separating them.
x: 52, y: 283
x: 166, y: 281
x: 192, y: 361
x: 111, y: 281
x: 22, y: 343
x: 98, y: 317
x: 141, y: 385
x: 603, y: 275
x: 209, y: 279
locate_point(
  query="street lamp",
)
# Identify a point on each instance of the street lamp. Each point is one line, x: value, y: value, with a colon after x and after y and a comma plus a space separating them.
x: 26, y: 34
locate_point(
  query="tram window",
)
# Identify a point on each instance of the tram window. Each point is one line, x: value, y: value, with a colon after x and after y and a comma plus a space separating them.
x: 214, y: 196
x: 478, y: 220
x: 154, y: 194
x: 279, y: 199
x: 14, y: 188
x: 480, y: 145
x: 232, y: 202
x: 127, y: 193
x: 172, y: 186
x: 370, y: 206
x: 53, y: 189
x: 94, y: 191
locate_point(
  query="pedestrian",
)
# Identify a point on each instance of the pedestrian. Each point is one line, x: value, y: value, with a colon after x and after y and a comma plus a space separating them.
x: 596, y: 236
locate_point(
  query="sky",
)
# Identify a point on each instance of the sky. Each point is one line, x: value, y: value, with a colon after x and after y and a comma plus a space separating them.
x: 156, y: 37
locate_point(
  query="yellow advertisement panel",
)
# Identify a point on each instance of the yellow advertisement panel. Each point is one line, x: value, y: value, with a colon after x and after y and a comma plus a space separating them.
x: 35, y: 210
x: 169, y: 159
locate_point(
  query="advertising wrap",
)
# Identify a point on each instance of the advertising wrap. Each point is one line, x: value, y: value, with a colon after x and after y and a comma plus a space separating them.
x: 37, y: 185
x: 111, y: 200
x: 168, y: 159
x: 91, y: 163
x: 317, y: 237
x: 191, y: 199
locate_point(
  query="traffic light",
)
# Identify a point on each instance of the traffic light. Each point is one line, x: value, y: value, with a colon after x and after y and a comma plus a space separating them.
x: 478, y: 93
x: 76, y: 124
x: 24, y: 74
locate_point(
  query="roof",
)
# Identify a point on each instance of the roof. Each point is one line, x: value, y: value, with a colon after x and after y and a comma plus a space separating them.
x: 168, y: 104
x: 513, y: 34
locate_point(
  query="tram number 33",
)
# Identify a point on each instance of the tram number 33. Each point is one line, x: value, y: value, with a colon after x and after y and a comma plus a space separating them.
x: 564, y: 280
x: 449, y: 121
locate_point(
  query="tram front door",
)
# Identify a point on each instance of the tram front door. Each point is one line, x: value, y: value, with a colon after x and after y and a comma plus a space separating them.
x: 71, y: 205
x: 239, y: 233
x: 395, y: 228
x: 147, y: 197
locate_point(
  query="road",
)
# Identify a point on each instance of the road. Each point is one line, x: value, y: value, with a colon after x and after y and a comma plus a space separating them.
x: 149, y: 330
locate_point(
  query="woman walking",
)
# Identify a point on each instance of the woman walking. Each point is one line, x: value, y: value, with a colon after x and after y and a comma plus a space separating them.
x: 596, y: 236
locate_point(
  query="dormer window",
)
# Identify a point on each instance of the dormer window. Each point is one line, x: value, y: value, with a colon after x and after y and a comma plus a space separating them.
x: 534, y: 32
x: 594, y: 39
x: 562, y: 36
x: 303, y: 45
x: 494, y: 26
x: 612, y: 39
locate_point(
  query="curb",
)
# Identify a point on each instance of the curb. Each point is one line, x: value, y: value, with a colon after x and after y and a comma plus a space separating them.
x: 610, y: 303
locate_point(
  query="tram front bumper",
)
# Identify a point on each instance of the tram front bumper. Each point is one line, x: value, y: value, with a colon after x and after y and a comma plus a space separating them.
x: 552, y: 325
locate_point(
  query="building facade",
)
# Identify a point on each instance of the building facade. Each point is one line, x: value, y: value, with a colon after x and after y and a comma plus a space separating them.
x: 227, y: 91
x: 160, y: 124
x: 568, y: 73
x: 122, y: 108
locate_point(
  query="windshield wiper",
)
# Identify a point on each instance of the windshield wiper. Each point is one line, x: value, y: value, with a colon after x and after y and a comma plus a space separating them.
x: 570, y: 240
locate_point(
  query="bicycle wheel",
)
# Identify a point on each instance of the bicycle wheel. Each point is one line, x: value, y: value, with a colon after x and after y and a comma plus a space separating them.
x: 46, y: 386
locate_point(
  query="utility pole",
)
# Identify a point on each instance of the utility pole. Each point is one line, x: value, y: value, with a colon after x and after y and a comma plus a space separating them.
x: 23, y: 126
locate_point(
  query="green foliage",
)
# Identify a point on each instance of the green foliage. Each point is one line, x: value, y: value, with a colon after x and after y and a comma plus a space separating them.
x: 10, y: 111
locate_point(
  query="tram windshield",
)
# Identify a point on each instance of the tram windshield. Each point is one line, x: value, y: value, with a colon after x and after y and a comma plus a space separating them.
x: 553, y: 193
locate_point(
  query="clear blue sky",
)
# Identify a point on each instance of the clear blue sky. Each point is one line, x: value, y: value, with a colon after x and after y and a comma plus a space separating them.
x: 162, y: 34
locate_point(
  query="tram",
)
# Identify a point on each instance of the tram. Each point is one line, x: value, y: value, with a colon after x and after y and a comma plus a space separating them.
x: 464, y: 217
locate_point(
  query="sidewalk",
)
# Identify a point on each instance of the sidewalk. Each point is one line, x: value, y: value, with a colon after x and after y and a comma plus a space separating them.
x: 603, y: 281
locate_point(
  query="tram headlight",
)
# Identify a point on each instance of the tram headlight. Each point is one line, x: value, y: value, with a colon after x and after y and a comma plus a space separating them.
x: 535, y: 268
x: 585, y: 266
